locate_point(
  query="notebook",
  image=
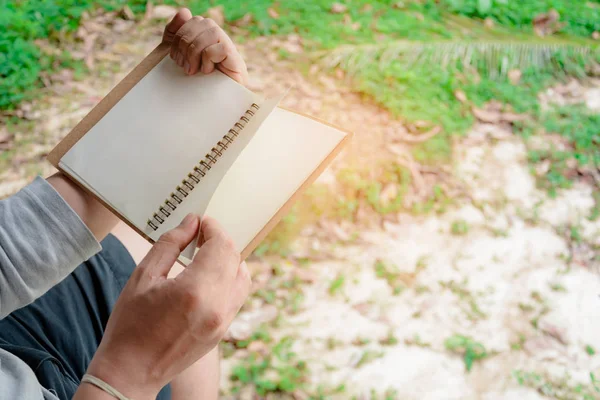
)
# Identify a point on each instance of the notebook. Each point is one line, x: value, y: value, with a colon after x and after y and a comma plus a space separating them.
x: 163, y: 144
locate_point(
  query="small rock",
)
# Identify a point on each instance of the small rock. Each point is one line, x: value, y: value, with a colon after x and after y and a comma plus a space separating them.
x: 163, y: 12
x: 216, y: 14
x: 338, y: 8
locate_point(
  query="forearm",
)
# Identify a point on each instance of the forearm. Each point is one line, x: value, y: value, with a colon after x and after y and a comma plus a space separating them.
x: 199, y: 381
x: 94, y: 215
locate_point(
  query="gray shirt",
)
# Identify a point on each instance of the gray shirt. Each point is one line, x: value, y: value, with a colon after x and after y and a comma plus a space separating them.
x: 42, y: 240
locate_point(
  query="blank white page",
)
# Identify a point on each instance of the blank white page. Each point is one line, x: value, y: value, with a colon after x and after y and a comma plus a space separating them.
x: 287, y: 148
x: 138, y: 153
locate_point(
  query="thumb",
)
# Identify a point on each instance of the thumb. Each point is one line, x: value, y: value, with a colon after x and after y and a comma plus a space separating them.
x: 182, y: 16
x: 164, y: 253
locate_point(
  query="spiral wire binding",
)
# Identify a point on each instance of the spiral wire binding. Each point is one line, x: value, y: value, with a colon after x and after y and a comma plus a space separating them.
x: 200, y: 170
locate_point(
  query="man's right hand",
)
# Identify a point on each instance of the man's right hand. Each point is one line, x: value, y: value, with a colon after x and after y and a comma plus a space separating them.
x: 161, y: 326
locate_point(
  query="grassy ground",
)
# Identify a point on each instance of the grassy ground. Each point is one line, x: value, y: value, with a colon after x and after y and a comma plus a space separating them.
x: 423, y: 93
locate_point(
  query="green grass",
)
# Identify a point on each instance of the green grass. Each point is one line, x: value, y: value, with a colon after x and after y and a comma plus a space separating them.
x: 459, y: 227
x: 279, y: 371
x: 580, y: 130
x: 394, y: 278
x: 337, y: 284
x: 470, y: 350
x: 416, y: 92
x: 582, y: 17
x: 558, y: 388
x: 590, y: 350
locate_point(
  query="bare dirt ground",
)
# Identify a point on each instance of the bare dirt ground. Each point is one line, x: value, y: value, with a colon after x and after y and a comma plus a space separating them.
x: 514, y: 281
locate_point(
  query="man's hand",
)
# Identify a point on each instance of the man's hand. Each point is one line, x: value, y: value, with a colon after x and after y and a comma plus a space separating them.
x: 160, y: 326
x: 199, y: 44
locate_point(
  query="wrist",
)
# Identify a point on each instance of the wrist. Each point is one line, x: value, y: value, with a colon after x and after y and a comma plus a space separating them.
x: 131, y: 382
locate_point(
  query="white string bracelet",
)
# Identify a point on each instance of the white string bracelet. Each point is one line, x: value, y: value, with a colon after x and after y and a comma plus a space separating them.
x: 99, y: 383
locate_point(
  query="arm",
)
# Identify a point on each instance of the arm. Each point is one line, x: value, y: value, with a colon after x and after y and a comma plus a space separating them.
x: 199, y: 381
x: 181, y: 320
x: 94, y: 215
x: 41, y: 241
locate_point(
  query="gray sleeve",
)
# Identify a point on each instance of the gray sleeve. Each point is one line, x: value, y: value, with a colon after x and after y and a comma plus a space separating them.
x: 42, y: 240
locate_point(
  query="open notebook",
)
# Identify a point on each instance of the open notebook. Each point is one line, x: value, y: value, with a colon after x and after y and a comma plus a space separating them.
x: 163, y: 144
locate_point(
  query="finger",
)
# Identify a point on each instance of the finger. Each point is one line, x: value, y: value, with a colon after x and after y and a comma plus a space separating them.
x: 214, y: 52
x: 242, y: 285
x: 211, y: 34
x: 177, y: 22
x: 217, y: 257
x: 187, y: 32
x: 165, y: 251
x: 234, y: 66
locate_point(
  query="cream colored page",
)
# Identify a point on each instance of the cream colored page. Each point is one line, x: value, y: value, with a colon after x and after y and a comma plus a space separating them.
x: 283, y: 153
x: 137, y: 154
x: 199, y: 199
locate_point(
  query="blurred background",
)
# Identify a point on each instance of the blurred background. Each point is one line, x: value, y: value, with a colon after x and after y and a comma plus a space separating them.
x: 450, y: 253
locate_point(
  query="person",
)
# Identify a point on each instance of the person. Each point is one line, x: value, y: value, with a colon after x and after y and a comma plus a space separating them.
x: 133, y: 332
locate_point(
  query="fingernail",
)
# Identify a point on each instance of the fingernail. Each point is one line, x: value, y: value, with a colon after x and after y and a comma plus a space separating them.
x: 186, y: 67
x: 188, y: 219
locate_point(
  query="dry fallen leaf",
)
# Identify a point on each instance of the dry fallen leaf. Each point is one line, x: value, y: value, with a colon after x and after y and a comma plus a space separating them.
x: 149, y: 10
x: 305, y: 275
x: 163, y: 12
x: 300, y: 395
x: 127, y: 14
x: 488, y: 23
x: 273, y: 13
x: 388, y: 193
x: 547, y: 23
x: 258, y: 347
x: 514, y: 76
x: 512, y: 117
x: 460, y: 96
x: 244, y: 21
x: 338, y: 8
x: 490, y: 116
x: 542, y: 168
x: 4, y: 137
x: 5, y: 141
x: 216, y: 14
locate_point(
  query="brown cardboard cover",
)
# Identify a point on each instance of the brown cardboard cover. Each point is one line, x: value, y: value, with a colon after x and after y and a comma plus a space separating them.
x: 117, y: 93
